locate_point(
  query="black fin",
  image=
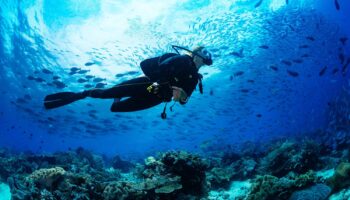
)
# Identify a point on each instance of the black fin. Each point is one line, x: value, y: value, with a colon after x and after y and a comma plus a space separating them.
x: 61, y: 99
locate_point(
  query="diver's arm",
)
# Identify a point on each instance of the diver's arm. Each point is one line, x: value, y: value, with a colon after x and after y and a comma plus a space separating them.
x: 188, y: 89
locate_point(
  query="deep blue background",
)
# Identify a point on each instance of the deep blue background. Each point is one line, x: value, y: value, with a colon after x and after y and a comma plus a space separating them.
x: 259, y: 105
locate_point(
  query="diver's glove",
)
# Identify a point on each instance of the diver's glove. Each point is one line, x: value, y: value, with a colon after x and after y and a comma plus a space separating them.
x: 163, y: 91
x: 154, y: 88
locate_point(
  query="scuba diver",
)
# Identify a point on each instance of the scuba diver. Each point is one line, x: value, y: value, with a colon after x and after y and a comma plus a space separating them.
x: 167, y: 77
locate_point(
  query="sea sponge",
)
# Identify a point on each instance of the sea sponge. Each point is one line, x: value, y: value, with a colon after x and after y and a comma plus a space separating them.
x: 47, y: 177
x: 341, y: 177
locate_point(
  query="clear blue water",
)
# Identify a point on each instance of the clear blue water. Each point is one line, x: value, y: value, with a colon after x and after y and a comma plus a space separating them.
x: 108, y: 38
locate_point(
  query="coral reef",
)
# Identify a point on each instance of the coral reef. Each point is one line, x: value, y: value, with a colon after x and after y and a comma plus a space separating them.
x: 221, y: 176
x: 176, y: 173
x: 80, y: 175
x: 289, y: 157
x: 190, y: 168
x: 280, y: 174
x: 270, y: 187
x: 253, y: 171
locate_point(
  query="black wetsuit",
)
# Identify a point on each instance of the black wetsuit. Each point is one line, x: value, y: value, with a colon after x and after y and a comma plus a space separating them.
x: 167, y: 70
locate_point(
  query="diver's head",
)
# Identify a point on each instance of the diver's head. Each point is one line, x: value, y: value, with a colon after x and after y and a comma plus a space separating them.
x: 201, y: 56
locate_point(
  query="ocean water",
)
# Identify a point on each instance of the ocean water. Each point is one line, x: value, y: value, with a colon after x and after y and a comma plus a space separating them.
x: 280, y: 73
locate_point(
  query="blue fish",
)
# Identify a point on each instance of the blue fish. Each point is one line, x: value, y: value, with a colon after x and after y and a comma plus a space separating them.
x: 119, y: 75
x: 310, y: 38
x: 238, y: 54
x: 337, y: 6
x: 298, y: 61
x: 258, y: 3
x: 59, y: 84
x: 74, y: 69
x: 341, y: 58
x: 291, y: 27
x: 343, y: 40
x: 263, y: 47
x: 335, y: 70
x: 98, y: 79
x: 100, y: 85
x: 89, y: 63
x: 83, y: 71
x: 46, y: 71
x: 132, y: 73
x: 345, y: 66
x: 305, y: 56
x: 30, y: 78
x: 304, y: 46
x: 293, y: 73
x: 40, y: 80
x: 286, y: 62
x: 89, y: 76
x: 238, y: 73
x: 20, y: 100
x: 323, y: 71
x: 274, y: 68
x: 88, y: 86
x: 82, y: 80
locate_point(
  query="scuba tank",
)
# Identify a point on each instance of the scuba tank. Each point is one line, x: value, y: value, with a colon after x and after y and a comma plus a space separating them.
x: 150, y: 67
